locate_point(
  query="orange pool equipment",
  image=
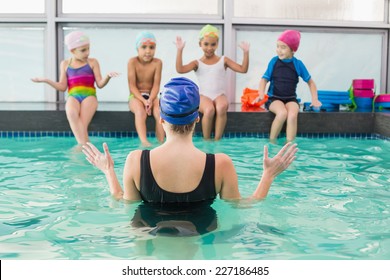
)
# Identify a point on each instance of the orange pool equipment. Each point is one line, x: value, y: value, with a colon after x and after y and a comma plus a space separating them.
x: 249, y: 95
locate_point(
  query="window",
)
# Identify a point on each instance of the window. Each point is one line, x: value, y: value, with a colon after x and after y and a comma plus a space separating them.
x: 178, y: 7
x: 333, y: 10
x: 23, y: 7
x: 22, y: 58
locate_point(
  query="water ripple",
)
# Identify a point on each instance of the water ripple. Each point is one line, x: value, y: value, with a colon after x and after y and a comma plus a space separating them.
x: 332, y: 203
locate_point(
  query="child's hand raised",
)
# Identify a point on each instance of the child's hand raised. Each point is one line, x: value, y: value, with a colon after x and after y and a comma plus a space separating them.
x: 38, y: 80
x: 180, y: 44
x: 244, y: 46
x: 113, y: 74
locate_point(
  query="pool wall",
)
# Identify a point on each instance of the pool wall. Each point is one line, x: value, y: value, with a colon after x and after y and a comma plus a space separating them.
x: 382, y: 124
x: 253, y: 122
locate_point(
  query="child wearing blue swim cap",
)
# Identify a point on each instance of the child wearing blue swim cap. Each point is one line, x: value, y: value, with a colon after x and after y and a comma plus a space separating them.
x: 177, y: 171
x: 144, y: 78
x: 210, y: 70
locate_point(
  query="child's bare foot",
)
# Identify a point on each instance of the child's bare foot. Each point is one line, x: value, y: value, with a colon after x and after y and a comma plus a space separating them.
x: 273, y: 141
x: 146, y: 144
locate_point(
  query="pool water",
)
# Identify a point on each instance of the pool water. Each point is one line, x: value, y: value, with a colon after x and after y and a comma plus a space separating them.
x: 332, y: 203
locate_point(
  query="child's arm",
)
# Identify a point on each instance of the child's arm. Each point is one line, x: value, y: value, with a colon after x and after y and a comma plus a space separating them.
x: 180, y: 68
x: 100, y: 82
x: 156, y: 81
x: 62, y: 85
x: 314, y: 96
x: 240, y: 68
x: 262, y: 85
x: 132, y: 80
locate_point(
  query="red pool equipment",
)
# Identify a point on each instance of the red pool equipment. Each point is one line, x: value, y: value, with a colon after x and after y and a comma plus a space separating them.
x: 382, y: 102
x: 382, y: 98
x: 363, y: 93
x: 363, y: 84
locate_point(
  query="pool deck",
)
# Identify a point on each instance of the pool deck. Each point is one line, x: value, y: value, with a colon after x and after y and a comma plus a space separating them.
x: 110, y: 119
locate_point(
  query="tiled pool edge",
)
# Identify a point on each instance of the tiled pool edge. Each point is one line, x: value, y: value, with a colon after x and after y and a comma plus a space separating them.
x: 253, y: 124
x: 122, y: 134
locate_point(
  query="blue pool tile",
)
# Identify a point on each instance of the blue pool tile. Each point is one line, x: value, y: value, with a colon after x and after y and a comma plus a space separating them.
x: 131, y: 134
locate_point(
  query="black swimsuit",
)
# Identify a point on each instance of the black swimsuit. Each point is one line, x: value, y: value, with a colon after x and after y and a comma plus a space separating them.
x: 152, y: 192
x: 285, y: 78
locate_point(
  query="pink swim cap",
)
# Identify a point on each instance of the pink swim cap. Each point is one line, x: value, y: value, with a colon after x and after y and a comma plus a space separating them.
x: 76, y: 39
x: 291, y: 38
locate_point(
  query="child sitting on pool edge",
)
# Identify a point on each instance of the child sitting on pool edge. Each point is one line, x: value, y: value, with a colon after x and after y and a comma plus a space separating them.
x: 283, y: 73
x: 210, y: 70
x: 79, y: 75
x: 144, y: 78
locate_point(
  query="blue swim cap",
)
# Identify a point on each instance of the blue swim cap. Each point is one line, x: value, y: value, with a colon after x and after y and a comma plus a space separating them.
x: 179, y: 101
x: 144, y: 37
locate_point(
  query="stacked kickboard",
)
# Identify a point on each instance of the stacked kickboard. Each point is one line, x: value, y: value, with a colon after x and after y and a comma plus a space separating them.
x: 363, y: 94
x: 331, y: 101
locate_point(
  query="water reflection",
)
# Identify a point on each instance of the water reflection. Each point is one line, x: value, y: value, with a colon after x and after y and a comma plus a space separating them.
x: 175, y: 219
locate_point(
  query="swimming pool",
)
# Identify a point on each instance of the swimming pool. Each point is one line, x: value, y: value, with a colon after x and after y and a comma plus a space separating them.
x: 333, y: 203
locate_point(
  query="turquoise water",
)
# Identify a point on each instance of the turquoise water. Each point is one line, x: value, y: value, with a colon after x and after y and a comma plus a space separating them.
x: 333, y: 203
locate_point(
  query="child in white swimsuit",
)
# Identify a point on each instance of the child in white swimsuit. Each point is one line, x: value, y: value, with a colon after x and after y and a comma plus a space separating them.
x: 211, y: 78
x: 210, y: 70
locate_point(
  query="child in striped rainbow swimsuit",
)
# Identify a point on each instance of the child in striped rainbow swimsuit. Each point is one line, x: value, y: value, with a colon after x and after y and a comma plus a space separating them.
x: 79, y: 75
